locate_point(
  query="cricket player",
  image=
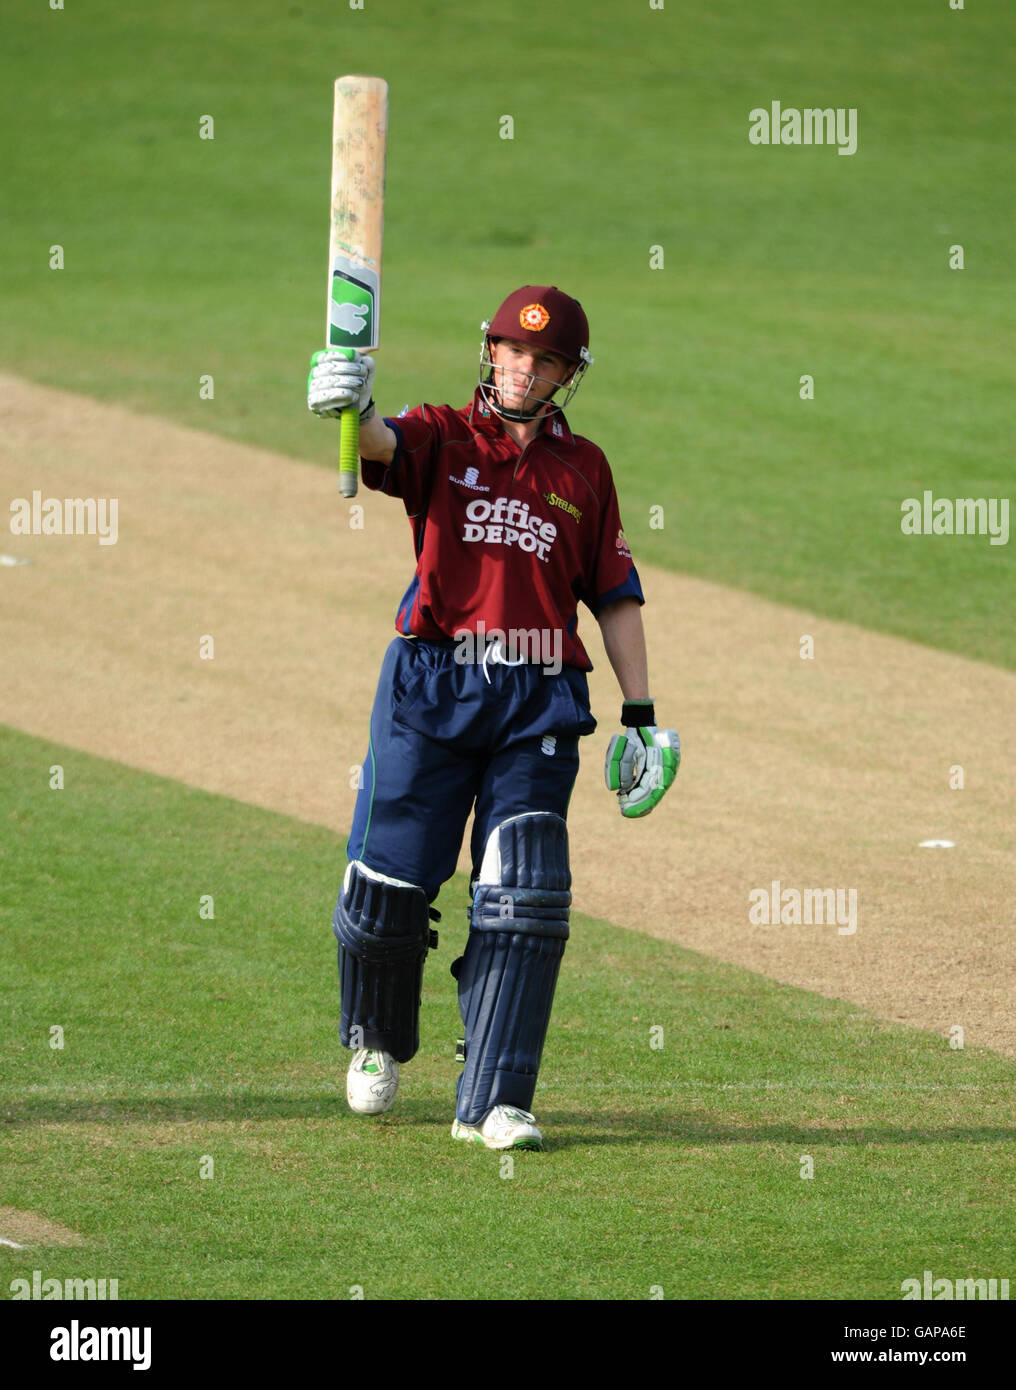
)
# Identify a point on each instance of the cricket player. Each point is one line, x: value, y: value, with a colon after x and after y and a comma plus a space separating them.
x: 480, y: 706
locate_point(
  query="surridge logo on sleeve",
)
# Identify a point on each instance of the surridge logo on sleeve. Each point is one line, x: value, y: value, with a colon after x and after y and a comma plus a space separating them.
x: 470, y: 481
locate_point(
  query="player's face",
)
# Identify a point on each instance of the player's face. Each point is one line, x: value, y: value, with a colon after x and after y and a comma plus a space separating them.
x: 526, y: 375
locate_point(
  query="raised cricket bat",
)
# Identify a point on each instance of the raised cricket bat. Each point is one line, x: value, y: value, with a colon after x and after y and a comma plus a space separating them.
x: 359, y: 135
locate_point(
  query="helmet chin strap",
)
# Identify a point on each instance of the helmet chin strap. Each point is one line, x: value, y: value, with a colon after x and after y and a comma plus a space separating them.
x: 520, y: 416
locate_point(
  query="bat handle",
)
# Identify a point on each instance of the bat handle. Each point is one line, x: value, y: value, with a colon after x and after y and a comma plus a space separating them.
x: 349, y: 450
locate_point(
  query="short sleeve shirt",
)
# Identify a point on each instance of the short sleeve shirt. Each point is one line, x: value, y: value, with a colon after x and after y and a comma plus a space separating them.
x: 504, y: 538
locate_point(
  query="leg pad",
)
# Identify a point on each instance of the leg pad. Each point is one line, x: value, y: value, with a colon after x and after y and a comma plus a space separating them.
x: 383, y: 930
x: 508, y: 975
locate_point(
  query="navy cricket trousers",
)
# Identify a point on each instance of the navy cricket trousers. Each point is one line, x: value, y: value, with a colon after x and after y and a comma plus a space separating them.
x: 445, y: 735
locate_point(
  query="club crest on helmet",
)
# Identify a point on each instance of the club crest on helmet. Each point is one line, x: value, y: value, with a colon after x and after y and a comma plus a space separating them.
x: 534, y: 317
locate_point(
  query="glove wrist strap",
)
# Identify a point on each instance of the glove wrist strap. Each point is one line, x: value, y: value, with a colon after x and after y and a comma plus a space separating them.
x: 636, y: 714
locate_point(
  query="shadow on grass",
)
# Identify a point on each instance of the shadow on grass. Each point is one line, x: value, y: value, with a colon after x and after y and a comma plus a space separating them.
x: 563, y: 1128
x: 569, y: 1129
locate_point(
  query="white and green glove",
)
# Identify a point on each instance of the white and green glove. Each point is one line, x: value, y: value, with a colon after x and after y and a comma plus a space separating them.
x: 340, y: 377
x: 643, y: 761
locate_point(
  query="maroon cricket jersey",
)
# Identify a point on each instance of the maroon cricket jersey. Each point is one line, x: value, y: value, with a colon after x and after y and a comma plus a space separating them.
x: 507, y: 538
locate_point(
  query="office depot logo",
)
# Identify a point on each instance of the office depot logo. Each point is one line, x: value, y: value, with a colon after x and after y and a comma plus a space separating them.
x: 507, y: 522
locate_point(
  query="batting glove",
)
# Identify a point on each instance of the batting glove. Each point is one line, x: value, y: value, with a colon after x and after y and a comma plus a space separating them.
x: 339, y: 378
x: 642, y: 762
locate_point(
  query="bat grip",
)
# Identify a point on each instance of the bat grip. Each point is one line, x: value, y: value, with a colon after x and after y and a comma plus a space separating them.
x: 349, y: 450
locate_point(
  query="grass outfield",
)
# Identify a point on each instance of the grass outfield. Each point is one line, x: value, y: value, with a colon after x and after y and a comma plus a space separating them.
x: 676, y: 1168
x: 187, y: 256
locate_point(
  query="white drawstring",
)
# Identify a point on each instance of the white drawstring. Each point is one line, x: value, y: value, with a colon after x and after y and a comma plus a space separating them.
x: 495, y: 652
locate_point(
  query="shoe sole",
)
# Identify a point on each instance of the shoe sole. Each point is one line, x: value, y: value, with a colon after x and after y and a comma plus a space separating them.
x: 475, y: 1137
x: 374, y: 1110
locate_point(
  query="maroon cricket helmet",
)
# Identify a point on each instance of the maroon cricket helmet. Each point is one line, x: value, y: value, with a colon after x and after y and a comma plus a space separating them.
x: 546, y: 317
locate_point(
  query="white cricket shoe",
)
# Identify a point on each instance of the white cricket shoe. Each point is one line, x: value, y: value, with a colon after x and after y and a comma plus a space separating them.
x: 372, y: 1082
x: 505, y: 1127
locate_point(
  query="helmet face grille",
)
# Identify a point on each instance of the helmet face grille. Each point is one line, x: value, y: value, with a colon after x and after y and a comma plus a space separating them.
x: 490, y: 393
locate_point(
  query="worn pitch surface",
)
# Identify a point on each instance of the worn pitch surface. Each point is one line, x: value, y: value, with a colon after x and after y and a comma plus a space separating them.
x: 821, y: 773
